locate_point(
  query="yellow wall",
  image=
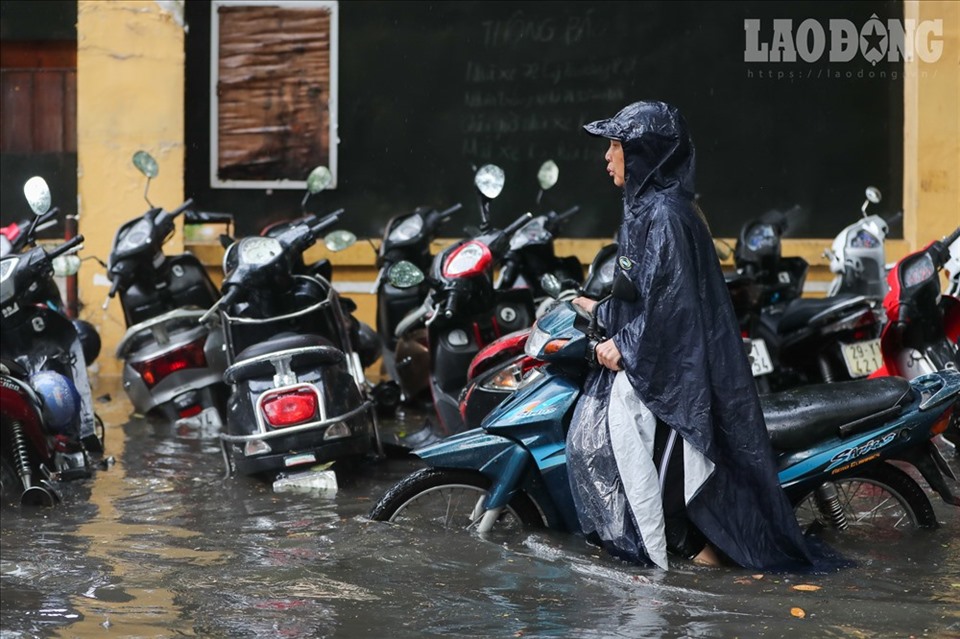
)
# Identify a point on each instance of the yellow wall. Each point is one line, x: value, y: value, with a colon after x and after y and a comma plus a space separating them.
x: 931, y: 137
x: 130, y: 67
x: 130, y: 74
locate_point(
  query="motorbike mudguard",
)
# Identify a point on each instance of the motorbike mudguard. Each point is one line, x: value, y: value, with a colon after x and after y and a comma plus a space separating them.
x: 19, y: 403
x: 510, y: 468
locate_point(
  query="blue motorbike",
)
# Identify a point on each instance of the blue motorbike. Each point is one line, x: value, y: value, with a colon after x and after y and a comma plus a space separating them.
x: 833, y: 444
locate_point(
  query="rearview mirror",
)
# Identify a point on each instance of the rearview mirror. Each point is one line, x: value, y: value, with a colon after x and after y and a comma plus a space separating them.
x: 489, y: 180
x: 548, y: 175
x: 319, y: 179
x: 404, y: 274
x: 38, y: 195
x: 146, y: 164
x: 551, y: 285
x: 873, y: 195
x: 339, y: 240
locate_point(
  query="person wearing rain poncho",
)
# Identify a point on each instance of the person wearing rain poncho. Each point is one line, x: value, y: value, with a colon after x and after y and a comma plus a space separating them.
x: 667, y: 449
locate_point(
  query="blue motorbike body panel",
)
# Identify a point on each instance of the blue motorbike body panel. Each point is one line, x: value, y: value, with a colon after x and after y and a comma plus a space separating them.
x: 521, y: 449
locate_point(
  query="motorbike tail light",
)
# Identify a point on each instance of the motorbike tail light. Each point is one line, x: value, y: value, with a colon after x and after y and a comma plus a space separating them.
x: 288, y: 409
x: 191, y: 411
x: 153, y: 371
x: 467, y: 260
x: 508, y: 344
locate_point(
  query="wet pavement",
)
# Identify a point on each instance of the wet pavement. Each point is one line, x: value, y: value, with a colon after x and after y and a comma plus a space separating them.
x: 161, y: 545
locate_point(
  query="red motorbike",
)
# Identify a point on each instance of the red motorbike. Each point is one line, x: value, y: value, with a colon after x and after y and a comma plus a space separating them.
x: 923, y: 325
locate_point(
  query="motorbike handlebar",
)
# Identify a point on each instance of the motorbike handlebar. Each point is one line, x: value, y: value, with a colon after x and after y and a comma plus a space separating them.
x: 451, y: 304
x: 326, y: 221
x: 950, y: 239
x: 520, y: 221
x: 66, y: 247
x: 114, y: 287
x: 573, y: 209
x: 180, y: 209
x: 444, y: 214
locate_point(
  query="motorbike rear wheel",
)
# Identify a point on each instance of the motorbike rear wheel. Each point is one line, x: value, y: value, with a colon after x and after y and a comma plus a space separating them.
x: 450, y: 499
x: 876, y: 502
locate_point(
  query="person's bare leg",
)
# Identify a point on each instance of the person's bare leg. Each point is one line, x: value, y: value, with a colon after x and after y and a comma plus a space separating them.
x: 708, y: 557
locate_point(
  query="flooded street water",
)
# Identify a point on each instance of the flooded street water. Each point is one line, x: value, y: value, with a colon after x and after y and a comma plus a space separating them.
x: 160, y: 545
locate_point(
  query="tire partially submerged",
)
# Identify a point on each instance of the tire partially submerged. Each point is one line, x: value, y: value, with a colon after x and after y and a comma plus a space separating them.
x: 450, y: 499
x: 878, y: 502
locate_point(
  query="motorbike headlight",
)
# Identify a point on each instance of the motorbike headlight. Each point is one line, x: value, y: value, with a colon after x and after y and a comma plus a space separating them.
x: 468, y: 259
x: 406, y: 230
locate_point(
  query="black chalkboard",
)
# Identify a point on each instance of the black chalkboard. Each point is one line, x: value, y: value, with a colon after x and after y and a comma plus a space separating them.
x: 428, y: 89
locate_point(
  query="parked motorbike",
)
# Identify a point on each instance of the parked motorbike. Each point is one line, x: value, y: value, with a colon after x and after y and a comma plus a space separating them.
x: 299, y: 396
x: 797, y: 341
x: 463, y: 311
x: 833, y: 445
x: 172, y: 365
x: 49, y: 428
x: 857, y: 257
x: 923, y: 326
x: 500, y: 367
x: 531, y: 254
x: 405, y: 238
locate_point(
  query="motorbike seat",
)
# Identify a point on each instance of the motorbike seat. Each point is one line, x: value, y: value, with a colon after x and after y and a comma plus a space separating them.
x: 800, y: 417
x: 322, y: 353
x: 800, y: 312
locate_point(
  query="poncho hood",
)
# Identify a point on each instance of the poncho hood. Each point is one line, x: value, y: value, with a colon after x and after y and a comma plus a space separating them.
x: 657, y: 149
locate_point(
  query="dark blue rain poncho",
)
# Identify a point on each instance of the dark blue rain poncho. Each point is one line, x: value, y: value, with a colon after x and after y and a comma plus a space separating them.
x: 684, y: 357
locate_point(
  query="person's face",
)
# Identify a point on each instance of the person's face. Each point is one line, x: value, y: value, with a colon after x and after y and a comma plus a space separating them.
x: 614, y: 158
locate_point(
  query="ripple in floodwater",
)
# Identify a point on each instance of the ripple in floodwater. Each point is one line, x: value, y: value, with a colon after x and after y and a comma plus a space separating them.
x: 161, y: 545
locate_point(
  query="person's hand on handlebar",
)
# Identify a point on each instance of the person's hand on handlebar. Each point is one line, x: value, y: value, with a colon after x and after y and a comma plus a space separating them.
x: 608, y: 355
x: 585, y: 303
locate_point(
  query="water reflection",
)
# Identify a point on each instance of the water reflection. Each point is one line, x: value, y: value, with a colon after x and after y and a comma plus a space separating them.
x: 161, y: 545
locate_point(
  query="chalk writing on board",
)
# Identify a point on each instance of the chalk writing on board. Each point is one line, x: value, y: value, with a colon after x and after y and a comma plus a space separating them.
x: 520, y: 29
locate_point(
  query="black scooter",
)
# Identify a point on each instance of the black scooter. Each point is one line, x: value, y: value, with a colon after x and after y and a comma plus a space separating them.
x: 796, y: 341
x: 172, y: 366
x: 49, y: 425
x: 405, y: 238
x: 299, y: 396
x: 463, y: 311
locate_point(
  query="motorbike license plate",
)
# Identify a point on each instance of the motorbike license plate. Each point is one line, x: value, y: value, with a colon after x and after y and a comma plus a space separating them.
x: 862, y: 358
x: 760, y: 361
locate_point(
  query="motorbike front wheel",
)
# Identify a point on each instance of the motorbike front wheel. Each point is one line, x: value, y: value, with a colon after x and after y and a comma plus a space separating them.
x: 451, y: 499
x: 877, y: 502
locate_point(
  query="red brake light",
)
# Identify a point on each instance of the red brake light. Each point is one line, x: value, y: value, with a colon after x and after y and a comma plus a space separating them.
x: 153, y: 371
x: 287, y: 409
x: 510, y: 344
x: 191, y: 411
x: 468, y: 259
